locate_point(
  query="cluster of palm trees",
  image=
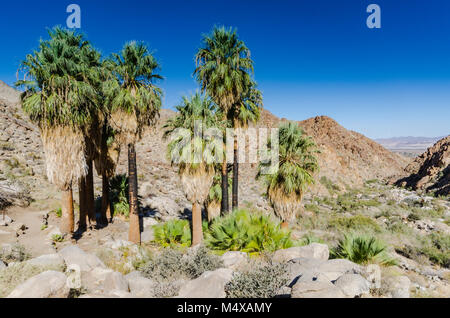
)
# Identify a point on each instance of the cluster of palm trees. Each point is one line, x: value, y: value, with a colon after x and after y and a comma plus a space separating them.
x: 87, y: 108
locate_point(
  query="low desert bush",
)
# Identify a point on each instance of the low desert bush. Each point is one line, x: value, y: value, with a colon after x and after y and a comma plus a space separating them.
x: 13, y: 276
x: 433, y: 247
x: 354, y: 223
x: 260, y: 281
x: 247, y: 232
x: 17, y: 253
x: 362, y: 249
x: 172, y: 264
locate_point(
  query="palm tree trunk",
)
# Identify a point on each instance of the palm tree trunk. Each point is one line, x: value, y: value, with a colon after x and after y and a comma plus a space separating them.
x: 284, y: 225
x: 82, y: 223
x: 224, y: 204
x: 197, y: 231
x: 106, y: 206
x: 235, y: 189
x: 67, y: 211
x: 134, y: 234
x: 90, y: 204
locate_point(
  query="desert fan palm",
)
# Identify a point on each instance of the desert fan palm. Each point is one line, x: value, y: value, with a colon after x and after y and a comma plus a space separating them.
x: 134, y: 103
x: 223, y: 68
x: 297, y: 166
x: 196, y: 174
x: 60, y: 97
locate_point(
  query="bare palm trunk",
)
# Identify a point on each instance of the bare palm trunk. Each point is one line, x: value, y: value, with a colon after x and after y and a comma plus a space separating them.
x: 90, y: 200
x: 67, y: 211
x: 134, y: 234
x: 235, y: 189
x: 197, y: 231
x: 106, y: 206
x: 82, y: 223
x: 225, y: 204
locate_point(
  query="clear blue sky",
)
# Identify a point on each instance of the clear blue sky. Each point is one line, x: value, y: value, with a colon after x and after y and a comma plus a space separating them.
x: 312, y: 57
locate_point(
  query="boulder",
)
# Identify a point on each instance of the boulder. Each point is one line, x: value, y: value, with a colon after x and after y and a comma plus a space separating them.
x: 314, y: 250
x: 302, y: 267
x: 210, y: 284
x: 55, y: 260
x: 335, y: 268
x: 316, y: 290
x: 148, y: 235
x: 234, y: 259
x: 74, y: 255
x: 50, y: 284
x: 5, y: 221
x: 398, y: 286
x: 103, y: 281
x: 140, y: 286
x: 2, y: 265
x: 353, y: 285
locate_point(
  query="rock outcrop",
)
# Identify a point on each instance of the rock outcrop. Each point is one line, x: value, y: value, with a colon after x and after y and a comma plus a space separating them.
x: 431, y: 170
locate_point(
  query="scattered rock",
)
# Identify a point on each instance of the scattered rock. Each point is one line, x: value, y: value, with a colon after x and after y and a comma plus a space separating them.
x: 5, y: 221
x: 50, y: 284
x: 103, y: 281
x: 210, y: 284
x: 314, y: 250
x: 74, y: 255
x: 2, y: 265
x: 302, y: 266
x: 398, y: 286
x: 234, y: 259
x: 48, y: 260
x: 353, y: 285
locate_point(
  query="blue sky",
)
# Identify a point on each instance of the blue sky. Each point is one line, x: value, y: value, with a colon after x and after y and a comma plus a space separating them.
x: 313, y: 57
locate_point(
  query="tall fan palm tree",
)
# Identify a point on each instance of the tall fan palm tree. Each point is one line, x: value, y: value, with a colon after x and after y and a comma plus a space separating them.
x: 196, y: 173
x: 60, y: 97
x: 223, y: 68
x: 134, y: 102
x: 297, y: 165
x: 246, y: 110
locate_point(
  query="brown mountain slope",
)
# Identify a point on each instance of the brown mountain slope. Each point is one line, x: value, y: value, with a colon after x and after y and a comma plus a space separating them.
x: 431, y: 170
x: 347, y: 157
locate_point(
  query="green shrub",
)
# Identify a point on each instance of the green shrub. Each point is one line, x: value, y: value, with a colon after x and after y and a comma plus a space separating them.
x: 362, y: 249
x: 312, y: 208
x: 309, y: 239
x: 58, y: 212
x: 354, y: 223
x: 436, y: 246
x: 329, y: 185
x: 247, y: 232
x: 119, y: 195
x: 173, y: 232
x: 262, y: 281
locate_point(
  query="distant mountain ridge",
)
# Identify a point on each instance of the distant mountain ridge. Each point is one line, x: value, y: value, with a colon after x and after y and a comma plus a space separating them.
x: 408, y: 143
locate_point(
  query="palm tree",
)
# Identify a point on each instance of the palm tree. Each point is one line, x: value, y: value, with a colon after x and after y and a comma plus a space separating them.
x: 213, y: 202
x: 134, y: 103
x: 297, y: 165
x: 105, y: 165
x: 60, y: 98
x: 223, y: 68
x: 196, y: 175
x: 246, y: 110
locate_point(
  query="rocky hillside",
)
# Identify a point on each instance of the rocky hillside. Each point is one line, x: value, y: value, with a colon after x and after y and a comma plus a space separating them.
x: 347, y: 159
x: 431, y: 170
